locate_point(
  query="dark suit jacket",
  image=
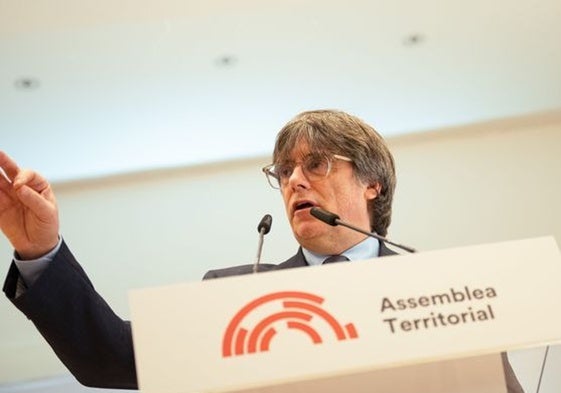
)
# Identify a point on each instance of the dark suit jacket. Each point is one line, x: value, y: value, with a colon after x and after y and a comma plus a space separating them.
x: 297, y: 260
x: 88, y: 337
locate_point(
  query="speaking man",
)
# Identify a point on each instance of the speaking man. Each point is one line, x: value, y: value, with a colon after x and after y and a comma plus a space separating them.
x: 323, y: 158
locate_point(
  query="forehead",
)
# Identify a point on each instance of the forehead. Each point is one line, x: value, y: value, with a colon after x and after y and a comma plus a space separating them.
x: 301, y: 149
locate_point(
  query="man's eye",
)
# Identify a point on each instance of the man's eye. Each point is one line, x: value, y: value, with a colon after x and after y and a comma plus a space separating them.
x: 315, y: 164
x: 284, y: 171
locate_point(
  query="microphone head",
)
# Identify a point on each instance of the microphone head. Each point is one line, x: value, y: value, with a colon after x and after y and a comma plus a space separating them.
x: 325, y: 216
x: 265, y: 224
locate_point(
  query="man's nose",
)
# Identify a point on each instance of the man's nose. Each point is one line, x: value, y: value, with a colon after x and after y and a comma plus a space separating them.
x: 298, y: 178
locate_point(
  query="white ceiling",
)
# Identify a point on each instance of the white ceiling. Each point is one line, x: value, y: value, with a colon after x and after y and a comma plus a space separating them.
x: 125, y: 86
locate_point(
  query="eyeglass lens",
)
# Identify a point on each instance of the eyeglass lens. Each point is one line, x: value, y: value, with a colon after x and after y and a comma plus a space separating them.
x: 314, y: 168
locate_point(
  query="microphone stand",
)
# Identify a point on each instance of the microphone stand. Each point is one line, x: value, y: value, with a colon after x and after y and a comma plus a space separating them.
x: 334, y: 220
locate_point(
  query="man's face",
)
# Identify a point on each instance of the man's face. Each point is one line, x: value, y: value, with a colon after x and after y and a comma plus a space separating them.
x: 340, y: 192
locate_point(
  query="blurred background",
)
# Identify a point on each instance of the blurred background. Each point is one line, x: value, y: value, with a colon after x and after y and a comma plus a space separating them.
x: 152, y: 120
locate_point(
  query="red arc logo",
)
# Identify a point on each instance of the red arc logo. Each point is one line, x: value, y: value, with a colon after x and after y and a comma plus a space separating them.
x: 297, y: 309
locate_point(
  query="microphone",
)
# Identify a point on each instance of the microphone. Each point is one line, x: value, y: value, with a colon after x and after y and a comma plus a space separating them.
x: 333, y: 220
x: 265, y: 224
x: 263, y: 228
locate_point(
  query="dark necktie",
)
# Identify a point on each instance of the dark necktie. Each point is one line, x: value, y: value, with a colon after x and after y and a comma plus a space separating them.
x: 335, y: 258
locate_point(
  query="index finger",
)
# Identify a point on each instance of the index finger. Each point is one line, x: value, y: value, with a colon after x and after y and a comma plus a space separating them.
x: 9, y: 168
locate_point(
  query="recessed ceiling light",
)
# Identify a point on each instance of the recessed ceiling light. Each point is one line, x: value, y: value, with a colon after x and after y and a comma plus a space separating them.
x: 226, y: 61
x: 413, y: 39
x: 26, y: 83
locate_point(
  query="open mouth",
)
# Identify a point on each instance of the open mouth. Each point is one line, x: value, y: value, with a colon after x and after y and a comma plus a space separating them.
x: 303, y: 205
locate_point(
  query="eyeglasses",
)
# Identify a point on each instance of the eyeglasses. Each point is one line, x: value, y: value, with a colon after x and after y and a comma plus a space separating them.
x: 315, y: 167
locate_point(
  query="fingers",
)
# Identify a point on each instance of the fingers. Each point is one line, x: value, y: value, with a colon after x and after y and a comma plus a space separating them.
x: 18, y: 177
x: 28, y: 210
x: 35, y: 193
x: 9, y: 166
x: 43, y: 205
x: 30, y: 188
x: 31, y: 179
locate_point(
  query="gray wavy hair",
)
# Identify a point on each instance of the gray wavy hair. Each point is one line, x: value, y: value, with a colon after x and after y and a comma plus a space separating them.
x: 336, y: 132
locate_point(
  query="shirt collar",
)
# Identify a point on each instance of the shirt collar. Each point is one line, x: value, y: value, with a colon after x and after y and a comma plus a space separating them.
x: 366, y: 249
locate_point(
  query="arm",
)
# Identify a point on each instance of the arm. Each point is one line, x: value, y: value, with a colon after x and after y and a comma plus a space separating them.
x: 86, y: 335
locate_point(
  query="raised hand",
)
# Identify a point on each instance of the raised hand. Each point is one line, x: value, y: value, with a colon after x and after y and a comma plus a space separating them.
x: 28, y: 210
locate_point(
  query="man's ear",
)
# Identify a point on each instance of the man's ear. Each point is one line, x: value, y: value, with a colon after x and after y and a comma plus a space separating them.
x: 372, y: 191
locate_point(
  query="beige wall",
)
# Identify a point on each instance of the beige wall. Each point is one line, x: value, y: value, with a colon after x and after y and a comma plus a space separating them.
x: 483, y: 183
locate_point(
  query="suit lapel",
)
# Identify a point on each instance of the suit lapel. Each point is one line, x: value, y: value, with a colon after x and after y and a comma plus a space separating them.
x: 297, y: 260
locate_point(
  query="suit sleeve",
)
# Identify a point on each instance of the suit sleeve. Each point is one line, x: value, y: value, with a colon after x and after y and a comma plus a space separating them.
x: 87, y: 336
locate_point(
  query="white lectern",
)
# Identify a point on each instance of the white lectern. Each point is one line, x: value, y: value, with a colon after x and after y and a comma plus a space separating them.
x: 428, y: 322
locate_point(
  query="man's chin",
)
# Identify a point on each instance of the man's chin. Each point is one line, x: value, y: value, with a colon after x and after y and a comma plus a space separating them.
x: 308, y: 231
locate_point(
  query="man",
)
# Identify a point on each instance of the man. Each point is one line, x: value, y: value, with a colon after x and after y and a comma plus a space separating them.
x: 321, y: 158
x: 337, y: 162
